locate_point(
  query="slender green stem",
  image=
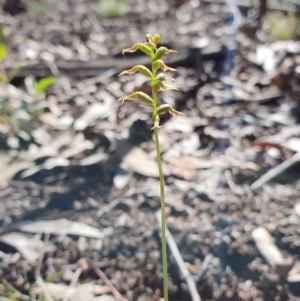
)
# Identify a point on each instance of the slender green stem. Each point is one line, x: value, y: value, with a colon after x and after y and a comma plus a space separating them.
x: 162, y: 197
x: 163, y: 217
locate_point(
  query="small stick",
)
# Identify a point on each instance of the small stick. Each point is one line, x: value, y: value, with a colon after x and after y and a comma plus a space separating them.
x: 75, y: 277
x: 74, y: 280
x: 204, y: 267
x: 189, y: 279
x: 275, y: 171
x: 37, y: 271
x: 108, y: 283
x: 102, y: 78
x: 235, y: 189
x: 115, y: 202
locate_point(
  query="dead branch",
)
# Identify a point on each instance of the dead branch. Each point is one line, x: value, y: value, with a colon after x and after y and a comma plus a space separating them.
x: 275, y: 171
x: 108, y: 283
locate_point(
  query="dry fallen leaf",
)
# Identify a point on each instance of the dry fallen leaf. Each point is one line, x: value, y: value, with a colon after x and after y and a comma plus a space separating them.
x: 93, y: 112
x: 137, y: 160
x: 64, y: 226
x: 30, y: 247
x: 185, y: 167
x: 122, y: 178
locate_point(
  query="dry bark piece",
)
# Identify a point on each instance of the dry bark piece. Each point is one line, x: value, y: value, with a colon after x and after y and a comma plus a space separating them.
x: 294, y: 274
x: 93, y: 159
x: 104, y: 298
x: 28, y: 246
x: 270, y: 252
x: 59, y: 291
x: 82, y: 292
x: 9, y: 170
x: 64, y: 122
x: 48, y: 165
x: 293, y: 144
x: 122, y: 178
x: 78, y: 145
x: 51, y: 149
x: 294, y: 278
x: 93, y: 112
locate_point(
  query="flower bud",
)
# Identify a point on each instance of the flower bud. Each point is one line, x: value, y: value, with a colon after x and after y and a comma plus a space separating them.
x: 155, y: 122
x: 148, y: 38
x: 138, y: 68
x: 160, y: 52
x: 160, y: 64
x: 152, y: 40
x: 159, y: 78
x: 159, y: 81
x: 149, y: 41
x: 144, y: 98
x: 168, y: 108
x: 140, y: 96
x: 163, y: 108
x: 155, y: 38
x: 145, y: 71
x: 157, y: 87
x: 144, y: 48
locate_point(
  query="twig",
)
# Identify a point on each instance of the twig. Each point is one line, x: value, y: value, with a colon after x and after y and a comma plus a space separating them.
x: 275, y: 171
x: 74, y: 280
x: 76, y: 276
x: 37, y: 274
x: 235, y: 189
x: 102, y: 78
x: 52, y: 66
x: 108, y: 283
x: 116, y: 201
x: 189, y: 279
x: 203, y: 268
x: 245, y: 4
x: 108, y: 207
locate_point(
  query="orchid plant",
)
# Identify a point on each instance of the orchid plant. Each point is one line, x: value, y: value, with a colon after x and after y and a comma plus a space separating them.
x: 158, y: 83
